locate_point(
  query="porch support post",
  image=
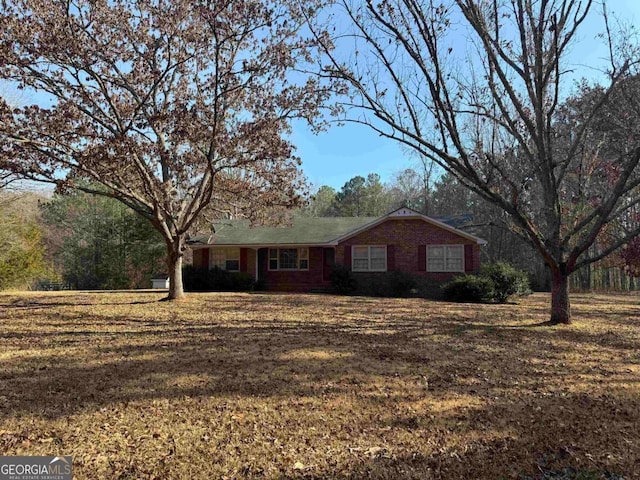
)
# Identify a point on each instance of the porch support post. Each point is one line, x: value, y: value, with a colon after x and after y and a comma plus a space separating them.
x: 255, y: 253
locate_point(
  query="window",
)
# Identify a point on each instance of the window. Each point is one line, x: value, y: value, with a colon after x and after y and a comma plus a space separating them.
x: 369, y: 259
x: 445, y: 258
x: 304, y: 258
x: 289, y: 258
x: 226, y: 259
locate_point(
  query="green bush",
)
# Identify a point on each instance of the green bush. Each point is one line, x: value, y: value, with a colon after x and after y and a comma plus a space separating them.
x: 383, y: 284
x: 194, y: 279
x: 469, y: 288
x: 215, y: 280
x: 342, y: 280
x: 387, y: 284
x: 497, y: 282
x: 260, y: 285
x: 507, y: 280
x: 239, y: 282
x: 401, y: 284
x: 428, y: 288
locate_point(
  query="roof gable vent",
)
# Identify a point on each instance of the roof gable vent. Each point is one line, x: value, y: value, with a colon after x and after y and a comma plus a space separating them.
x: 403, y: 212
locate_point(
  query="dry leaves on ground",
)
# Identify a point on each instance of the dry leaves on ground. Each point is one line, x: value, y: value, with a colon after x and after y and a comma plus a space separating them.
x: 319, y: 386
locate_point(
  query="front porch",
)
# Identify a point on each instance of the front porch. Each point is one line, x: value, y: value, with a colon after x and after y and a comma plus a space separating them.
x: 281, y: 268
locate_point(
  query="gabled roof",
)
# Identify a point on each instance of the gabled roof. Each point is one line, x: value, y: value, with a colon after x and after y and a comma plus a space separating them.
x: 301, y: 231
x: 407, y: 213
x: 314, y: 230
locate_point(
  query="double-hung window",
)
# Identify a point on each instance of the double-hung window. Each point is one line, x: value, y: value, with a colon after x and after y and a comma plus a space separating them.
x: 445, y: 258
x: 226, y: 259
x: 289, y: 258
x: 369, y: 258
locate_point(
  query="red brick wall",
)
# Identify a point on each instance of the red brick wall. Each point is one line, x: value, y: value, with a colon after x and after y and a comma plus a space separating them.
x: 298, y: 280
x: 476, y: 257
x: 406, y: 235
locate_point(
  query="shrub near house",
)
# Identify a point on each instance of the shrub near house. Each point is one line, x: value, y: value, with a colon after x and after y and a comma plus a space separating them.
x: 497, y: 282
x: 302, y: 255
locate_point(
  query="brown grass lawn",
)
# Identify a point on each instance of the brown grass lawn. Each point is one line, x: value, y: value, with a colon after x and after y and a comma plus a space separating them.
x: 311, y: 386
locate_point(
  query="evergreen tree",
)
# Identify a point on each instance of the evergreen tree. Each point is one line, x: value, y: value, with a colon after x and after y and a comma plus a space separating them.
x: 98, y: 243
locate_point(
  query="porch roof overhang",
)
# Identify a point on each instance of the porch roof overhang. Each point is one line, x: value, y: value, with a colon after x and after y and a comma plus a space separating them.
x: 196, y: 246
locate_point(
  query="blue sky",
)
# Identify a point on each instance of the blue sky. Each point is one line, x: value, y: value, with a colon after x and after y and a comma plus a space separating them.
x: 339, y: 154
x: 333, y: 157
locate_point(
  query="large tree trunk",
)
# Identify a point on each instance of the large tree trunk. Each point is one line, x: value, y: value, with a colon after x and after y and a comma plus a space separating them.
x: 174, y: 264
x: 560, y: 305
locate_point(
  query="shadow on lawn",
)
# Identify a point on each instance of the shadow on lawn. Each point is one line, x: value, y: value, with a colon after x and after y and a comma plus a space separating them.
x: 54, y: 301
x: 541, y: 332
x: 532, y: 402
x: 503, y: 458
x: 274, y: 358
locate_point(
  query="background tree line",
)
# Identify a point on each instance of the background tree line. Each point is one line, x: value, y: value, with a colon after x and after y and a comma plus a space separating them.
x: 77, y: 241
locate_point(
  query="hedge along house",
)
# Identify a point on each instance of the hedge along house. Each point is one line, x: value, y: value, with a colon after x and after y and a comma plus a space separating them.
x: 300, y: 256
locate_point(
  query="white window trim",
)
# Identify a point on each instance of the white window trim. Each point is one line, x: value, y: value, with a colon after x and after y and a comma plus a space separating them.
x: 368, y: 247
x: 445, y: 259
x: 288, y: 269
x: 226, y: 250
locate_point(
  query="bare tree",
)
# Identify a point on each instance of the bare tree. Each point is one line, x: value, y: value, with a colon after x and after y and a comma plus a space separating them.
x: 173, y: 106
x: 477, y: 86
x: 414, y: 187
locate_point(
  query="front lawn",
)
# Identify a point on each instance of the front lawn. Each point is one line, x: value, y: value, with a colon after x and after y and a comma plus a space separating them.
x: 312, y: 386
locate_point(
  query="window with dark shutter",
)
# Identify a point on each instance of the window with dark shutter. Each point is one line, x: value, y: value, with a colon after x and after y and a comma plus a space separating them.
x: 422, y: 258
x: 391, y: 258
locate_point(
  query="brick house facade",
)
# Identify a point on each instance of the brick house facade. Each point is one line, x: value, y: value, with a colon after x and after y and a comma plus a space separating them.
x: 300, y: 257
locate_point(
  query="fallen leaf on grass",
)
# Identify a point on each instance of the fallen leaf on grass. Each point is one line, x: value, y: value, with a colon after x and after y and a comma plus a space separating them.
x: 374, y: 451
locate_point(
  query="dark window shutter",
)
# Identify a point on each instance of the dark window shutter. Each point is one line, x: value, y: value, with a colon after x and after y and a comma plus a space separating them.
x: 347, y: 256
x: 391, y: 258
x: 205, y: 258
x: 422, y: 258
x: 243, y: 260
x: 468, y: 259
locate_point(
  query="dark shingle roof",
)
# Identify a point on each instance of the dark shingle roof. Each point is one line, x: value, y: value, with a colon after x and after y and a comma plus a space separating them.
x: 301, y: 230
x: 456, y: 221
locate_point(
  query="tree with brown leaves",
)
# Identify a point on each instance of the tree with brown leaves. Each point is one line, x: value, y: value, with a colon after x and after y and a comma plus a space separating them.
x: 478, y: 87
x: 172, y: 106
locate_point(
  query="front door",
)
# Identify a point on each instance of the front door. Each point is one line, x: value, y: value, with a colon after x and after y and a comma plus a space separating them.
x: 262, y: 264
x: 328, y: 261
